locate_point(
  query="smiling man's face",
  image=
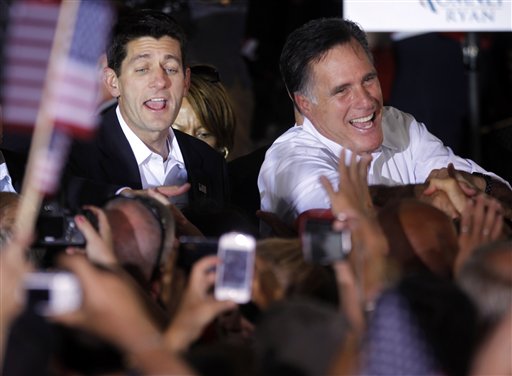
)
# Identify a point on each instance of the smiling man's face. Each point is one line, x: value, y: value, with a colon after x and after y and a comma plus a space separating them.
x: 151, y: 85
x: 345, y: 99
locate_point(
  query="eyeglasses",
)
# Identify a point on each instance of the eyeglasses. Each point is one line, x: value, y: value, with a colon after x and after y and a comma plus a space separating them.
x: 206, y: 72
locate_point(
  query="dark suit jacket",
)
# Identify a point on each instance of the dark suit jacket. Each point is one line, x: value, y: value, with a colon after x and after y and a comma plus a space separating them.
x: 16, y: 164
x: 98, y: 168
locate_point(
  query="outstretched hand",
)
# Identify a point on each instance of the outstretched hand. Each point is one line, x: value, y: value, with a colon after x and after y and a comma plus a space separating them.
x: 198, y: 306
x: 352, y: 200
x: 99, y: 245
x: 448, y: 190
x: 481, y: 222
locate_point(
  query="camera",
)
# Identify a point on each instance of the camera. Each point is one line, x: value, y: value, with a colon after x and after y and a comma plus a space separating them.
x: 320, y: 243
x: 236, y: 268
x: 193, y: 248
x: 56, y: 227
x: 52, y: 293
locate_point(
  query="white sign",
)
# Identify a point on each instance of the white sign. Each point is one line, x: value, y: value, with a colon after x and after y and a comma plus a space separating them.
x: 430, y: 15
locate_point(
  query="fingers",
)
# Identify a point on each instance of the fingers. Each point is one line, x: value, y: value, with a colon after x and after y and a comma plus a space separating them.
x: 493, y: 220
x: 153, y: 193
x: 482, y: 220
x: 327, y: 186
x: 171, y: 191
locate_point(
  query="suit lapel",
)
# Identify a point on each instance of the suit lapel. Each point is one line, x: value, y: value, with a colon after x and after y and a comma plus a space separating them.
x: 116, y: 156
x: 198, y: 179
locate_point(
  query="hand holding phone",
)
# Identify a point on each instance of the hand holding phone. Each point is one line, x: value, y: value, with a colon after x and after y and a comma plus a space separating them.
x: 236, y: 268
x: 320, y: 243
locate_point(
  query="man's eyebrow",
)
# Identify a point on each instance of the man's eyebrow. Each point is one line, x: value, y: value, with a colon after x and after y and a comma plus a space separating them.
x: 339, y: 88
x: 138, y: 57
x: 144, y: 56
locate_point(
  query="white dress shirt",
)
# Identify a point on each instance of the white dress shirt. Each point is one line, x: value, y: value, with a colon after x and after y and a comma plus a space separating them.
x: 5, y: 178
x: 289, y: 177
x: 154, y: 170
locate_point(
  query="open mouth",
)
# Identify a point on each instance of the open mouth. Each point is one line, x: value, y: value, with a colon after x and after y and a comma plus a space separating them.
x: 156, y: 104
x: 365, y: 122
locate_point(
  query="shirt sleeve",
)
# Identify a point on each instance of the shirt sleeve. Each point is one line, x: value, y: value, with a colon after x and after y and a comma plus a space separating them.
x: 430, y: 153
x: 291, y: 185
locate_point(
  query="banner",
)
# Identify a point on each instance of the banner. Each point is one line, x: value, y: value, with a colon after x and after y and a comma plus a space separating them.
x: 430, y: 15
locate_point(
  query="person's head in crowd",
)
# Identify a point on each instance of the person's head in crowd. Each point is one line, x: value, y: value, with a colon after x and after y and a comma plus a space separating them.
x: 147, y: 70
x: 281, y: 273
x: 424, y: 325
x: 420, y: 236
x: 143, y: 233
x: 329, y: 73
x: 298, y: 337
x: 9, y: 202
x: 487, y: 278
x: 206, y: 111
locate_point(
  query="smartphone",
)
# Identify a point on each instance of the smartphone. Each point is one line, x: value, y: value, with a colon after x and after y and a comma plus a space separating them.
x: 236, y: 268
x: 52, y: 293
x: 320, y: 243
x: 193, y: 248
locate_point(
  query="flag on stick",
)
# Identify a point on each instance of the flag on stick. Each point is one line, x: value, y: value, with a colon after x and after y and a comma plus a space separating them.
x: 59, y: 98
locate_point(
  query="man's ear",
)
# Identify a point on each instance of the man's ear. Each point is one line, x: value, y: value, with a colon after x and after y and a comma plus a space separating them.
x: 302, y: 103
x: 111, y: 82
x: 187, y: 81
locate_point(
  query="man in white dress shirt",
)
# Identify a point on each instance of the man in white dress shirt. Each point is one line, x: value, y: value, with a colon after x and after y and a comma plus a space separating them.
x: 328, y: 70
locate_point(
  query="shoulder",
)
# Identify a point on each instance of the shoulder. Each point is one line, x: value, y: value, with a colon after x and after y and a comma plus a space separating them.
x: 297, y: 144
x: 398, y: 127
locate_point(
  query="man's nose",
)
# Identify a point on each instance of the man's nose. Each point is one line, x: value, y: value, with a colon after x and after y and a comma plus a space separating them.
x: 363, y: 97
x: 160, y: 79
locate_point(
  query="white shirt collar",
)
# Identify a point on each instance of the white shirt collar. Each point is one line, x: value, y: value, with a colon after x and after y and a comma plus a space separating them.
x: 5, y: 179
x: 140, y: 149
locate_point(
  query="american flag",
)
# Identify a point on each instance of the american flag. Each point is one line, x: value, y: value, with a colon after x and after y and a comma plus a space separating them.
x: 74, y: 95
x: 71, y: 87
x: 27, y: 52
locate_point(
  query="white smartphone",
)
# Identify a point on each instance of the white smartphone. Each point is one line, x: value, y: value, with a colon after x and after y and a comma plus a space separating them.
x: 52, y: 293
x: 236, y: 268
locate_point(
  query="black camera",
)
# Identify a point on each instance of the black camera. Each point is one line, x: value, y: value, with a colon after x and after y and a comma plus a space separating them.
x: 56, y: 227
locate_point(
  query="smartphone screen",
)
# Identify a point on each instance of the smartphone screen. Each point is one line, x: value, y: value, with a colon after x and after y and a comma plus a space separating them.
x: 235, y: 268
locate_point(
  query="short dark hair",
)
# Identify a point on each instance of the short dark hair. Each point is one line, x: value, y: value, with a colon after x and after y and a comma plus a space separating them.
x: 309, y: 43
x: 133, y: 24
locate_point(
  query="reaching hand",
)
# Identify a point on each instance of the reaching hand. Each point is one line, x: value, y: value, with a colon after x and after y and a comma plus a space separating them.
x: 111, y: 306
x: 352, y: 206
x: 352, y: 201
x: 449, y: 190
x: 99, y: 247
x: 481, y: 222
x: 198, y: 306
x: 112, y: 309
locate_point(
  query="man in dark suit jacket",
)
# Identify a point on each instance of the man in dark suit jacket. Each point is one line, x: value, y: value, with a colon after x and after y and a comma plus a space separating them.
x: 99, y: 168
x: 135, y: 143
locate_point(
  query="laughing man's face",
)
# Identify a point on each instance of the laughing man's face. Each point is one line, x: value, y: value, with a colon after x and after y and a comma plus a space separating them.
x: 345, y: 99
